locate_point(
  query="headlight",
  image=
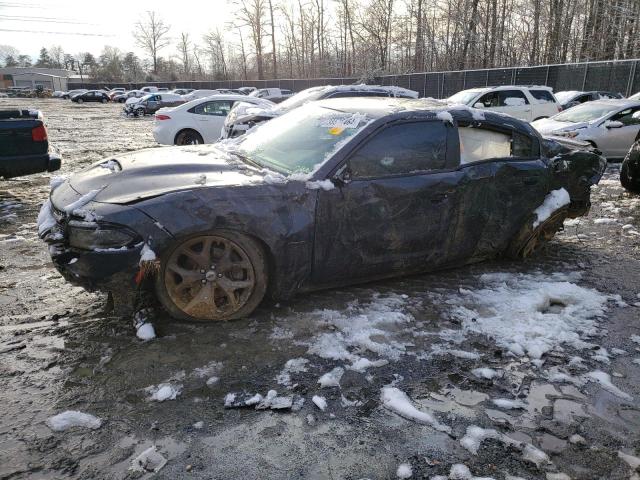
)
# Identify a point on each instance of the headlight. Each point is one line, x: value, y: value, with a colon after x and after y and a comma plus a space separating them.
x: 95, y: 236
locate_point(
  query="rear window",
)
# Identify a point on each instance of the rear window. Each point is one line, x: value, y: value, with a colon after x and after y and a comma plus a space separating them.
x: 542, y: 96
x: 512, y: 98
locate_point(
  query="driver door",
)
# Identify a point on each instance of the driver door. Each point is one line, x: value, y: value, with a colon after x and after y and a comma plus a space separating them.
x: 394, y: 215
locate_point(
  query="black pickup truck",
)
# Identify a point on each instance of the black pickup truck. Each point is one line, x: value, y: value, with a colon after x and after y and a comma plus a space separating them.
x: 24, y: 147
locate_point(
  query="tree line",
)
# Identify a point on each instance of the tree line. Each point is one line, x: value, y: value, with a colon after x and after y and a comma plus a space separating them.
x: 364, y: 38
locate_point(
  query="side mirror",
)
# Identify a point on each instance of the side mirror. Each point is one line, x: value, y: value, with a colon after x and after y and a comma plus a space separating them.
x: 478, y: 105
x: 613, y: 124
x: 342, y: 176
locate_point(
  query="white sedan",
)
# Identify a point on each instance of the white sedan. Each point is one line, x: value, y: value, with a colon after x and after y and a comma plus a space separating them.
x: 198, y: 121
x: 610, y: 125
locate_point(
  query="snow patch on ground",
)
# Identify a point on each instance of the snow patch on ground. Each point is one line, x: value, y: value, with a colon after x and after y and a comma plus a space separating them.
x: 148, y: 461
x: 530, y: 313
x: 354, y: 328
x: 397, y: 401
x: 73, y: 418
x: 553, y: 201
x: 508, y: 404
x: 486, y: 373
x: 475, y: 435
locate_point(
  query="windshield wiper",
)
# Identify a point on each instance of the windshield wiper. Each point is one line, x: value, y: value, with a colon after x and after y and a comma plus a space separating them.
x: 246, y: 159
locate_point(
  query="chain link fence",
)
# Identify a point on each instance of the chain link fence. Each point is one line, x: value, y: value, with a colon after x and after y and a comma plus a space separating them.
x: 621, y: 76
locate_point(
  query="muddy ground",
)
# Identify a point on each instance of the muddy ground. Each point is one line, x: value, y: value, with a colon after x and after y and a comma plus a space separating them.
x: 59, y: 352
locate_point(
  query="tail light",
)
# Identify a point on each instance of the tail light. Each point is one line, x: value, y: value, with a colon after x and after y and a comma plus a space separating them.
x: 39, y: 134
x: 163, y: 117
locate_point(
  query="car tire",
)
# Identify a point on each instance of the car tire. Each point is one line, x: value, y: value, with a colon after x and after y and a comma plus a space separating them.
x: 189, y: 137
x: 531, y: 240
x: 104, y: 100
x: 80, y: 100
x: 630, y: 176
x: 122, y: 100
x: 233, y: 284
x: 138, y: 113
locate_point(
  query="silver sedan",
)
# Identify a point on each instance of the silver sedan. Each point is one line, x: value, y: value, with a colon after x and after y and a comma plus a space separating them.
x: 612, y: 126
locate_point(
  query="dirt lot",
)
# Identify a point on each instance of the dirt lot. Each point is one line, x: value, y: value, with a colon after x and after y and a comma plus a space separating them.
x: 516, y: 370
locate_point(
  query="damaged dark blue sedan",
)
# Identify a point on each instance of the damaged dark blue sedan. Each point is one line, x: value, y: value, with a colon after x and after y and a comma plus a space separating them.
x: 333, y: 193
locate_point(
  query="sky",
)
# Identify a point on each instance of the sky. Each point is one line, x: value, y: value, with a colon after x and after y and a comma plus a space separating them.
x: 80, y: 26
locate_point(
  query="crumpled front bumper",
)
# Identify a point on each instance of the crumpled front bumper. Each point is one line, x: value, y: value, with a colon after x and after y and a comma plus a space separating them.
x: 115, y: 269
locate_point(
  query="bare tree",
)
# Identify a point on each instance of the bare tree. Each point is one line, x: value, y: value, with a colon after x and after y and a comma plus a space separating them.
x: 152, y: 35
x: 184, y: 50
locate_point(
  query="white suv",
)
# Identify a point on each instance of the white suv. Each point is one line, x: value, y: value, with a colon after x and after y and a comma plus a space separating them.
x: 525, y: 103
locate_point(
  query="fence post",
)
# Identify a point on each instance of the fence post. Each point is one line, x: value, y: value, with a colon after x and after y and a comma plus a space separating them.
x: 424, y: 87
x: 464, y: 81
x: 632, y: 76
x: 486, y: 82
x: 546, y: 78
x: 584, y: 78
x: 513, y: 76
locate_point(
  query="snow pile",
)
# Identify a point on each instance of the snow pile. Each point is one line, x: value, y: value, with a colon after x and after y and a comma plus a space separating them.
x: 397, y: 401
x: 554, y: 200
x: 476, y: 113
x: 404, y: 471
x: 201, y: 179
x: 46, y: 220
x: 605, y: 382
x: 445, y: 117
x: 72, y: 418
x: 354, y: 329
x: 148, y: 461
x: 530, y: 313
x: 295, y: 365
x: 460, y: 472
x: 320, y: 402
x: 81, y: 202
x: 320, y: 184
x: 332, y: 378
x: 163, y: 391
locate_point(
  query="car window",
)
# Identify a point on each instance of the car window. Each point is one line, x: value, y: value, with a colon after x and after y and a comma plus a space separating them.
x: 628, y: 116
x: 512, y: 98
x: 583, y: 98
x: 402, y: 149
x: 542, y: 96
x: 490, y: 100
x: 219, y: 108
x: 478, y: 144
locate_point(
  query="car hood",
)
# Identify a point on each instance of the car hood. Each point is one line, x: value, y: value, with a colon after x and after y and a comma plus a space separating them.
x: 549, y: 125
x: 156, y: 171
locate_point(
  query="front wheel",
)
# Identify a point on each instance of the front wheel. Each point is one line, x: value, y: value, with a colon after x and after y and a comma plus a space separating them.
x: 214, y: 276
x: 189, y: 137
x: 104, y: 100
x: 80, y: 100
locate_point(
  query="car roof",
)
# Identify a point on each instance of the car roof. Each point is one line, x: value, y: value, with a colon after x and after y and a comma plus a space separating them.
x: 221, y: 96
